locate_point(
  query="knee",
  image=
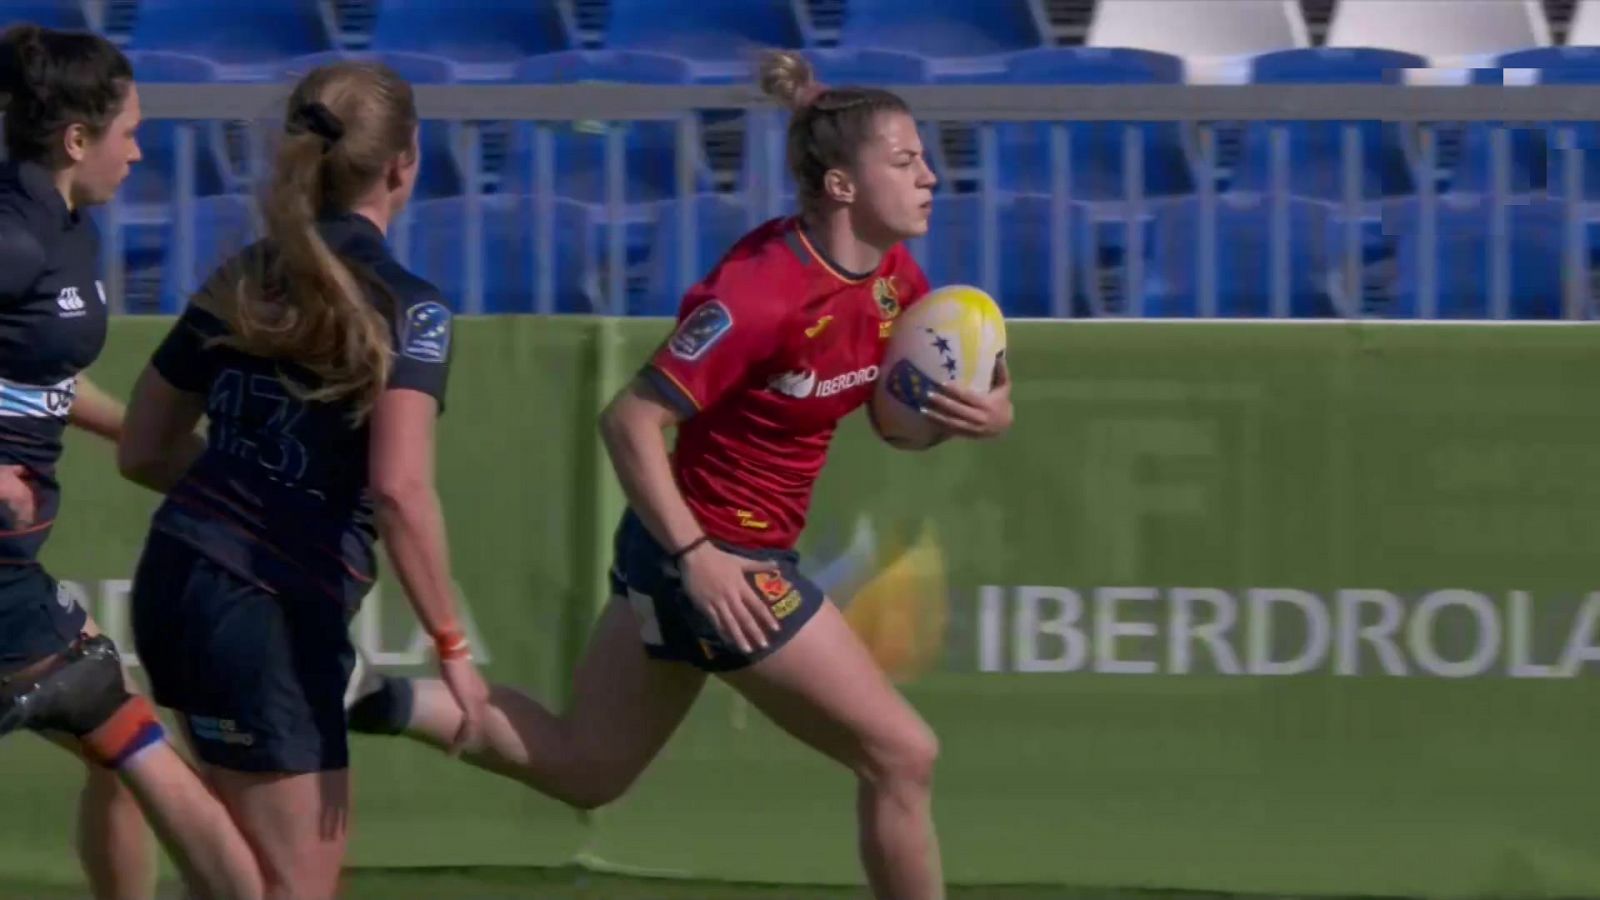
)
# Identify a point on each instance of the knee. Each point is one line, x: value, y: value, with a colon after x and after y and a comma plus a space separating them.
x: 597, y: 788
x: 905, y: 759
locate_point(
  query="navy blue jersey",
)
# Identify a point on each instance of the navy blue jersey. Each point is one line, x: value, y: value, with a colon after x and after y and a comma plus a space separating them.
x: 280, y: 495
x: 52, y: 326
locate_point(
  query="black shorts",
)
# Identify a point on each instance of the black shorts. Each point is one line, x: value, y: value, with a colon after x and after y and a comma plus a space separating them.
x: 37, y: 618
x: 670, y: 625
x: 259, y: 676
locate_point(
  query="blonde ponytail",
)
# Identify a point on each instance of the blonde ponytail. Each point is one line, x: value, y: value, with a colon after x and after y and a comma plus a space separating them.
x: 304, y: 304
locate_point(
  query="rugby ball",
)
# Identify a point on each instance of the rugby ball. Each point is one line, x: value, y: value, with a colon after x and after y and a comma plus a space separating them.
x: 953, y: 336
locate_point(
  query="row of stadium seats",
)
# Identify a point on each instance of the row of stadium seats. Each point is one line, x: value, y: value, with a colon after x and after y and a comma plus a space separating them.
x: 485, y: 39
x: 1171, y: 160
x: 1040, y: 257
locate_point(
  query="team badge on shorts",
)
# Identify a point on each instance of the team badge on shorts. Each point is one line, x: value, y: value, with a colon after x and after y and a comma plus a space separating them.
x: 425, y: 334
x: 778, y: 592
x: 700, y: 330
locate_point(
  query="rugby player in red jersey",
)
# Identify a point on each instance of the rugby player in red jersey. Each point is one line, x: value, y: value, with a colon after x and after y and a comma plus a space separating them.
x: 779, y: 342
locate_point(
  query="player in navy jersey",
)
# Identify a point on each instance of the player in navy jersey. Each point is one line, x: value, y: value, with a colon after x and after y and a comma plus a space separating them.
x: 71, y: 111
x: 320, y: 364
x: 778, y: 343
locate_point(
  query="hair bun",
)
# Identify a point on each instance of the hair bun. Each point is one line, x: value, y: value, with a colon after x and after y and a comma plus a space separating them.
x: 787, y: 77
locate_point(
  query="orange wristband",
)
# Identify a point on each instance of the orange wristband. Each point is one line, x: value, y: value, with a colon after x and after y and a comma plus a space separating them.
x: 452, y: 644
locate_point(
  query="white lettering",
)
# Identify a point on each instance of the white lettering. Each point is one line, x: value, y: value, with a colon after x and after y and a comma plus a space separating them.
x: 1029, y: 624
x: 1182, y: 632
x: 840, y: 383
x: 1580, y: 643
x: 1318, y: 632
x: 991, y: 628
x: 1379, y: 635
x: 1521, y: 662
x: 1107, y: 630
x: 1421, y: 634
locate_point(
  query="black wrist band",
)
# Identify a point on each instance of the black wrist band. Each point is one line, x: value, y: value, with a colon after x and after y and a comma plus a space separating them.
x: 692, y: 544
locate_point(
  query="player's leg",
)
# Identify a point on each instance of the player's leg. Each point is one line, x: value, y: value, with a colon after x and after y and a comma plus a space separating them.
x: 65, y: 682
x: 296, y: 823
x: 258, y: 678
x: 79, y: 695
x: 114, y: 843
x: 624, y: 707
x: 824, y: 688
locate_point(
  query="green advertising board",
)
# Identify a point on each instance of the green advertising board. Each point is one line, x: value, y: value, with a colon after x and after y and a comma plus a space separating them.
x: 1252, y: 607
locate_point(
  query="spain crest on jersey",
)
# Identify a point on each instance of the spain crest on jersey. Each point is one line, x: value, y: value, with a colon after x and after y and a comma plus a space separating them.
x: 887, y: 296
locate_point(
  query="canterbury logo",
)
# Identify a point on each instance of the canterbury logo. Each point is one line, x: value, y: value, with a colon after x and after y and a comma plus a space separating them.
x: 70, y: 301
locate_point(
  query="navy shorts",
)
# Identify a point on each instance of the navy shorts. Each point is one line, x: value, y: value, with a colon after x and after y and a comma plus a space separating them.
x: 259, y: 676
x: 670, y: 625
x: 37, y: 618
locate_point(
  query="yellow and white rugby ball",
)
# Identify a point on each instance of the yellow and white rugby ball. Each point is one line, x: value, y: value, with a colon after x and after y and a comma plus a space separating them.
x: 955, y: 335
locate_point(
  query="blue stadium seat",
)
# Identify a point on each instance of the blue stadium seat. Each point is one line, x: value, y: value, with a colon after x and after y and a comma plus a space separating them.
x: 68, y: 15
x: 1463, y: 257
x: 152, y: 184
x: 509, y: 253
x: 721, y: 33
x: 941, y: 28
x: 1316, y: 149
x: 155, y: 258
x: 841, y: 66
x: 440, y: 175
x: 1542, y: 145
x: 1242, y: 258
x: 580, y: 147
x: 1096, y: 238
x: 1097, y: 170
x: 953, y: 251
x: 486, y: 32
x: 720, y: 220
x: 223, y: 225
x: 243, y: 36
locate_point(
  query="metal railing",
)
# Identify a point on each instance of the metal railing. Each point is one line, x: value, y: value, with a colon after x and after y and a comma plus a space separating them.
x: 1205, y: 112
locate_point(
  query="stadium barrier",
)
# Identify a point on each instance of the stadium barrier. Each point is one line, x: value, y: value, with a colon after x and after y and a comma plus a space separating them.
x: 1254, y: 607
x: 1352, y: 245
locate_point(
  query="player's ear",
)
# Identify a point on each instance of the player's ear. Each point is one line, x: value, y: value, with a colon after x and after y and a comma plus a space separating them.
x: 75, y: 141
x: 838, y: 186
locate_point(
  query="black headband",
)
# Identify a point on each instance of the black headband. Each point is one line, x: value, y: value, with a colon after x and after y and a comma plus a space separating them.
x: 315, y: 117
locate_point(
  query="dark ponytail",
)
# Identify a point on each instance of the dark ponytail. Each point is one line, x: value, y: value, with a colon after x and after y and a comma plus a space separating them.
x: 51, y: 80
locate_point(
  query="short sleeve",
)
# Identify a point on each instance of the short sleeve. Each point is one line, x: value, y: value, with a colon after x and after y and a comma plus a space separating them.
x: 423, y: 331
x: 182, y: 358
x: 726, y: 327
x: 22, y: 262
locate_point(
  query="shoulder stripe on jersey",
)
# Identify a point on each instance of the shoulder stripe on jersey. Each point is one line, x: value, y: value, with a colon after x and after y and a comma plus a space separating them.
x: 672, y: 389
x: 37, y: 401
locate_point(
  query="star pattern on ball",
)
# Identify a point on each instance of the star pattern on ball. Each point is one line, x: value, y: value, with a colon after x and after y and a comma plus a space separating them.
x: 947, y: 354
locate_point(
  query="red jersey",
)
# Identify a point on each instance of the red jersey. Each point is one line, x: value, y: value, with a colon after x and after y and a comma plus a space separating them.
x: 772, y: 349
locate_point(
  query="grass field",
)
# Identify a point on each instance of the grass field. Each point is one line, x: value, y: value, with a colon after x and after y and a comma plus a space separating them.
x: 577, y: 884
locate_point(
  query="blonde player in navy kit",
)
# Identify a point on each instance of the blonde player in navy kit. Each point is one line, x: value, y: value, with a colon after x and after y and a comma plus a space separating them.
x: 320, y: 364
x: 71, y: 109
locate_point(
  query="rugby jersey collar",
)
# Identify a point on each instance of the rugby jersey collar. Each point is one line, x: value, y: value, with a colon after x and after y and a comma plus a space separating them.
x: 809, y: 246
x: 352, y: 229
x: 40, y: 186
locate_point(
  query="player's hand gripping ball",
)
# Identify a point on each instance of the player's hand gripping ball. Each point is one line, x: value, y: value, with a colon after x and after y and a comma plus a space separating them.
x: 955, y: 336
